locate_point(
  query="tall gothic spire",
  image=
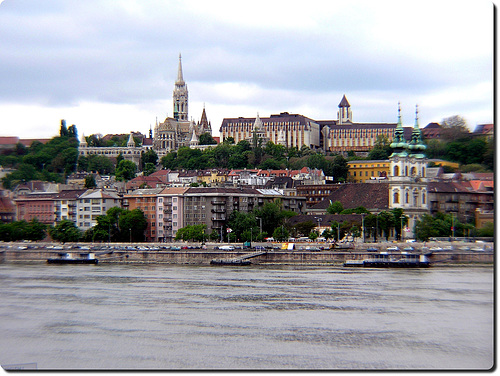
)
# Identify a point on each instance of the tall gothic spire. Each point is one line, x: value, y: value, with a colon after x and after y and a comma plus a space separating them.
x: 180, y: 78
x: 180, y: 96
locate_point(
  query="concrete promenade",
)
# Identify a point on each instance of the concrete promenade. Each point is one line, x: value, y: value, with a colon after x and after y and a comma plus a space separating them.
x: 139, y: 253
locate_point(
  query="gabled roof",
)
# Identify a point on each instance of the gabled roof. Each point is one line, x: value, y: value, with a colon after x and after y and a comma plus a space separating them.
x: 99, y: 194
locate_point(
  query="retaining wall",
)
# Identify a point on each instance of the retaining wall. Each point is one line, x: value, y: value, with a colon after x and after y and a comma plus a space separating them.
x: 204, y: 257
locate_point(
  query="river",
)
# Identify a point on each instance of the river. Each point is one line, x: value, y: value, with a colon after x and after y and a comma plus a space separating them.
x: 171, y: 317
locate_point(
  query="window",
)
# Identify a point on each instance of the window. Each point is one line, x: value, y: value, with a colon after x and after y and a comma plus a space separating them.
x: 396, y: 197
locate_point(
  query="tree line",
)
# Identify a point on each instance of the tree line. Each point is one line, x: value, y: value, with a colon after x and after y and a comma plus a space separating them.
x: 52, y: 161
x: 117, y: 225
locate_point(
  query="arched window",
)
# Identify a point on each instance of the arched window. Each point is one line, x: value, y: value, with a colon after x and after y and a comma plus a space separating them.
x: 396, y: 197
x: 406, y: 170
x: 396, y: 170
x: 407, y: 198
x: 423, y: 172
x: 413, y: 171
x: 423, y: 198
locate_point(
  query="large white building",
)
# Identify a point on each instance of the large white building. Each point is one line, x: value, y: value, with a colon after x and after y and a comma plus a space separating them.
x: 290, y: 130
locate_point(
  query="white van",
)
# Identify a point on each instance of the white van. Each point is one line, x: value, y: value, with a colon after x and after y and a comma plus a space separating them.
x: 226, y: 248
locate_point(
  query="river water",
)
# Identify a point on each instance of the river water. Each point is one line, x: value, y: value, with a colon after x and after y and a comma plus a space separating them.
x: 166, y: 317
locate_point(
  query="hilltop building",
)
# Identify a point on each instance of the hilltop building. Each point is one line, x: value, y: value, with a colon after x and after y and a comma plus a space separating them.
x: 171, y: 134
x: 293, y: 130
x: 290, y: 130
x: 178, y: 131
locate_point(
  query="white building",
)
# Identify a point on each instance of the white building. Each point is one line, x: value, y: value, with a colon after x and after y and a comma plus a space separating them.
x: 93, y: 203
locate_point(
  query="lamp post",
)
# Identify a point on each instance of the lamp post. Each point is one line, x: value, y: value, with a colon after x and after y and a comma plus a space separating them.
x: 363, y: 225
x: 260, y: 223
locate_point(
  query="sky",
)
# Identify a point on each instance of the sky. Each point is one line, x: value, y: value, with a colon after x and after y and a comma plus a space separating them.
x: 109, y: 66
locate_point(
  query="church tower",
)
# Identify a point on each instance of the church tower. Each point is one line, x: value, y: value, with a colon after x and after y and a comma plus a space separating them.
x: 344, y: 114
x: 408, y: 165
x: 204, y: 125
x: 180, y: 96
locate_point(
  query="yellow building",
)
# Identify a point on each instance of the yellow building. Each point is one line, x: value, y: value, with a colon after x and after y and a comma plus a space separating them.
x: 212, y: 177
x: 440, y: 162
x: 360, y: 171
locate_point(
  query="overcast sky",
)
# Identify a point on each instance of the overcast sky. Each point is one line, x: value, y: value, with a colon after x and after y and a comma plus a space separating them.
x: 110, y: 66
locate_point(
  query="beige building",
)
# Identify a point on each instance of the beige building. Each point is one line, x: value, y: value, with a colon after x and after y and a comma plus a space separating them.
x: 290, y: 130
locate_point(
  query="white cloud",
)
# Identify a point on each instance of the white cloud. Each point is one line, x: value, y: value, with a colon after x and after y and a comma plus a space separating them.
x: 110, y: 66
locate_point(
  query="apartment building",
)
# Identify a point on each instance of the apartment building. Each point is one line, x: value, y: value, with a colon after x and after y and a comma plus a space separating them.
x: 146, y: 201
x: 93, y: 203
x: 170, y: 212
x: 213, y: 206
x: 36, y: 205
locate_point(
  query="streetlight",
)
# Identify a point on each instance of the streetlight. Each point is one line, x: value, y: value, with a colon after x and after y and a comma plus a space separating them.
x: 363, y: 225
x: 260, y: 222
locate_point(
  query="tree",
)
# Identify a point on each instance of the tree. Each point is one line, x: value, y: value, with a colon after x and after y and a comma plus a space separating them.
x: 305, y: 228
x: 335, y: 208
x: 206, y: 139
x: 149, y: 156
x: 313, y: 235
x: 149, y: 168
x: 72, y: 131
x: 194, y: 233
x: 399, y: 220
x: 132, y: 224
x: 281, y: 233
x: 386, y: 223
x: 65, y: 231
x: 272, y: 215
x: 243, y: 225
x: 340, y: 168
x: 90, y: 181
x: 63, y: 131
x: 125, y: 170
x: 381, y: 150
x: 454, y: 128
x: 100, y: 164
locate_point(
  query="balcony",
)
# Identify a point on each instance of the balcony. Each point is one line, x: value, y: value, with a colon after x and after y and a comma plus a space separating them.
x: 218, y: 210
x: 218, y: 202
x: 223, y: 218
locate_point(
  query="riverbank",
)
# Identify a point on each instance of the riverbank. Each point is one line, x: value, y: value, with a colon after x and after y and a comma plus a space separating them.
x: 181, y: 253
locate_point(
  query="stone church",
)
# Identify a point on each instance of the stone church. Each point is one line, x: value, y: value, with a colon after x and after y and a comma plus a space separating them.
x: 169, y: 135
x: 178, y: 131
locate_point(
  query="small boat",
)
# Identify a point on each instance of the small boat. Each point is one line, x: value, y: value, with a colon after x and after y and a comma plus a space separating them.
x: 386, y: 260
x: 69, y: 258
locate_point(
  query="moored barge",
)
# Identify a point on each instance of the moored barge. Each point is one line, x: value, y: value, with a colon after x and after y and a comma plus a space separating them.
x: 386, y: 260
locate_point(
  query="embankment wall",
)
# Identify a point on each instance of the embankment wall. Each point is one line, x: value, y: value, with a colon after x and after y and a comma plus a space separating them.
x: 205, y: 256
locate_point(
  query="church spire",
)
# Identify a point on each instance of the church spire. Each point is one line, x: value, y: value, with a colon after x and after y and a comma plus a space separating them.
x: 416, y: 144
x: 180, y: 78
x: 398, y: 142
x: 180, y: 96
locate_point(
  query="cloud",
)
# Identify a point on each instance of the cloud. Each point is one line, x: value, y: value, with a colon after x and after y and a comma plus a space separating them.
x: 261, y: 56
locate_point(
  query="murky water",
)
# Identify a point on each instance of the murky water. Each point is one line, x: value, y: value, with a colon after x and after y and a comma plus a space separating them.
x: 195, y: 317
